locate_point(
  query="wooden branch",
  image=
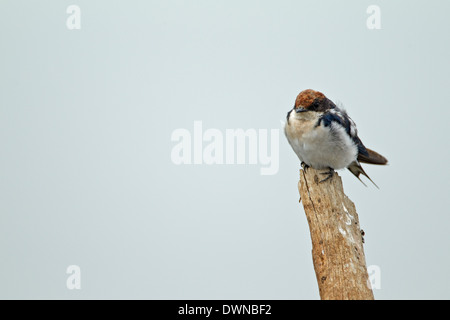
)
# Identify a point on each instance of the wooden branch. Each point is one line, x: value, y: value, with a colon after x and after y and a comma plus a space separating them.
x: 337, y: 245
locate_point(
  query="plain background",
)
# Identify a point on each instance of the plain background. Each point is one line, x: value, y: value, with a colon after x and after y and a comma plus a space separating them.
x: 86, y: 118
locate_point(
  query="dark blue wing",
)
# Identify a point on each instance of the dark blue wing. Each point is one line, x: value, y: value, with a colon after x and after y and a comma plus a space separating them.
x: 361, y: 148
x: 329, y: 117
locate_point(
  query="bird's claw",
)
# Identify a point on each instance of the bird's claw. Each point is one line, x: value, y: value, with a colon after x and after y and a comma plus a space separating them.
x: 329, y: 174
x: 304, y: 166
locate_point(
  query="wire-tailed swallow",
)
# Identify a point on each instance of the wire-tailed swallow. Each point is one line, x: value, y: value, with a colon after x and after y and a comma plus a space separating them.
x: 324, y: 137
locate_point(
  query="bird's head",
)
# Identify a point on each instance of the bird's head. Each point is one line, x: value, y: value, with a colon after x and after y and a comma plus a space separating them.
x: 311, y: 100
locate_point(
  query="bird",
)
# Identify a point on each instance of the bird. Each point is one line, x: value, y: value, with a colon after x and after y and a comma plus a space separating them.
x: 324, y: 137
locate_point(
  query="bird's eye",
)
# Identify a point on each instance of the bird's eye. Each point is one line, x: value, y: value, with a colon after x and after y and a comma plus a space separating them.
x: 314, y: 105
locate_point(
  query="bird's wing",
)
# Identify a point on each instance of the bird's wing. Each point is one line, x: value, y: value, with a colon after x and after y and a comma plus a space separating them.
x: 340, y: 116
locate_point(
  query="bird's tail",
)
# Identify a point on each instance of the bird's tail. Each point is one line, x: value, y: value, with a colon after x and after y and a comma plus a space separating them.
x: 356, y: 169
x: 372, y: 157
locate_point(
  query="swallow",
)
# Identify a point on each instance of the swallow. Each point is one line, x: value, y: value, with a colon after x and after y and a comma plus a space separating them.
x: 324, y: 137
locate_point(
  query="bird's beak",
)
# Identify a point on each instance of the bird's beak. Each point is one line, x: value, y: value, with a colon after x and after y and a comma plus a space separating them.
x: 300, y: 109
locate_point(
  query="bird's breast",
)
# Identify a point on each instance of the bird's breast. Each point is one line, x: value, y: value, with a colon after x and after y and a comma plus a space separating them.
x: 300, y: 127
x: 317, y: 146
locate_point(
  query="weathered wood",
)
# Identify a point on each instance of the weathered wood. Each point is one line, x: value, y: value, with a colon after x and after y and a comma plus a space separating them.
x: 337, y: 246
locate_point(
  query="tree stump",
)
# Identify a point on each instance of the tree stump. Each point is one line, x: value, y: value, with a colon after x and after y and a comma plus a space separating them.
x: 337, y: 243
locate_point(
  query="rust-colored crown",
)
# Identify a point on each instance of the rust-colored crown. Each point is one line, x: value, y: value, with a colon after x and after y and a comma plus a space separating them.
x: 307, y: 97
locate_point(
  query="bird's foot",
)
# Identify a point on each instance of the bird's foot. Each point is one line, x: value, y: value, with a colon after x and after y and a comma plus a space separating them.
x: 329, y: 174
x: 304, y: 166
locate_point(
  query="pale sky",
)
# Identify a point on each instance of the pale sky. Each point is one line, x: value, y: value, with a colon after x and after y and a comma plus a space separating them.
x: 86, y: 123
